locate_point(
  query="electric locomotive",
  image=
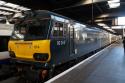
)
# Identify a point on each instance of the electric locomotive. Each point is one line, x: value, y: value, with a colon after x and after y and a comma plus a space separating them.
x: 43, y: 40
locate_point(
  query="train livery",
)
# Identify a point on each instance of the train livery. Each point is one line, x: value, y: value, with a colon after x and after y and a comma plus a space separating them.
x: 43, y: 40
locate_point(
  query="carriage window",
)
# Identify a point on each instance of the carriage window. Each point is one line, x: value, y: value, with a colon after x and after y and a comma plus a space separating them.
x: 71, y: 32
x: 65, y: 29
x: 58, y: 29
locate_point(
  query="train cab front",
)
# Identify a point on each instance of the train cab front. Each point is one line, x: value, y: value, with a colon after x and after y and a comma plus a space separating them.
x: 32, y: 51
x: 30, y: 44
x: 30, y: 41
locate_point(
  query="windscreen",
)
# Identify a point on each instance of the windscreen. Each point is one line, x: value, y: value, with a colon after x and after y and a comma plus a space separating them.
x: 33, y: 30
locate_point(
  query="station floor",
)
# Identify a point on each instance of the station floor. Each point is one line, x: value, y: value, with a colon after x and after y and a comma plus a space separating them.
x: 107, y: 68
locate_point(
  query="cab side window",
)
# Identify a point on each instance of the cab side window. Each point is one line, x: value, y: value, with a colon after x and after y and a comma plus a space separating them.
x: 59, y: 29
x: 55, y: 29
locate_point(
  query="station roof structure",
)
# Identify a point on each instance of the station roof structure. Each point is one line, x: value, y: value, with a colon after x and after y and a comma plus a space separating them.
x: 93, y: 12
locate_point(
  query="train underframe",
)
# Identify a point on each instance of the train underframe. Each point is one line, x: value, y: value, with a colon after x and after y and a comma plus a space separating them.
x: 34, y: 72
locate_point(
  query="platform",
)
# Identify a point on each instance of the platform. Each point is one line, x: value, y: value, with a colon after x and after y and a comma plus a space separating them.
x: 4, y: 55
x: 106, y: 68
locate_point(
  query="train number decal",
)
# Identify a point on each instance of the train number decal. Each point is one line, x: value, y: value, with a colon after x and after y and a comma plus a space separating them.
x: 61, y: 43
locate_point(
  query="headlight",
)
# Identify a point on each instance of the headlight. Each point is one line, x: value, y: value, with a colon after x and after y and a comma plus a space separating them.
x: 41, y: 56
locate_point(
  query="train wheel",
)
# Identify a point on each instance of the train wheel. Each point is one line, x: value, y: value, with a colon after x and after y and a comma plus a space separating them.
x: 43, y: 75
x: 51, y: 72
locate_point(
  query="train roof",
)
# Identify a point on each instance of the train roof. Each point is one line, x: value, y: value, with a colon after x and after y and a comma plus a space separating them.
x: 47, y: 14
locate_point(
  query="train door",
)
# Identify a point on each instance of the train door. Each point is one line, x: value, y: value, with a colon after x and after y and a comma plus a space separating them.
x: 71, y: 42
x: 60, y: 42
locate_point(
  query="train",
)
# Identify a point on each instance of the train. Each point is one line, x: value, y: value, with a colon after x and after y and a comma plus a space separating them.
x: 43, y: 40
x: 5, y: 64
x: 5, y: 33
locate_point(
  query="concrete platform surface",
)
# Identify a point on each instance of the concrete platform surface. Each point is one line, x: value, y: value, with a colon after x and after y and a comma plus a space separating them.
x: 107, y: 68
x: 4, y: 55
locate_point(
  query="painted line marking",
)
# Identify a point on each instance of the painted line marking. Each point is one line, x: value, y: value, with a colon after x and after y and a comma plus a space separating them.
x: 82, y: 62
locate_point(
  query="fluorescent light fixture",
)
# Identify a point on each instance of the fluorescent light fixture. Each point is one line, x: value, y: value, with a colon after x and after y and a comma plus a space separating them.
x: 112, y: 30
x: 101, y: 24
x: 114, y: 3
x: 2, y: 2
x: 118, y: 27
x: 23, y: 8
x: 8, y: 9
x: 98, y: 20
x: 106, y: 27
x: 121, y: 20
x: 5, y: 13
x: 11, y: 5
x: 16, y: 6
x: 104, y: 15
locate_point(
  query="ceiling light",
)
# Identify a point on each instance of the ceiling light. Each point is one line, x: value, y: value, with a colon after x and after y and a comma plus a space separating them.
x: 98, y: 20
x: 16, y: 6
x: 2, y: 2
x: 5, y: 13
x: 23, y: 8
x: 112, y: 30
x: 114, y: 3
x: 8, y: 9
x: 101, y: 24
x: 121, y: 20
x: 11, y: 5
x: 106, y: 27
x: 116, y: 27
